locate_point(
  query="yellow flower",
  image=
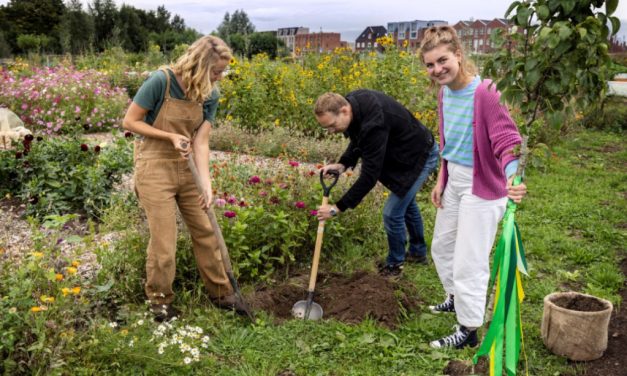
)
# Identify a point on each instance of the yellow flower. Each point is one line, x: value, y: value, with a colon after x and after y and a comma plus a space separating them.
x: 71, y: 270
x: 47, y: 299
x: 386, y: 194
x: 38, y: 308
x: 76, y: 290
x: 37, y: 255
x: 58, y: 277
x: 75, y: 263
x: 277, y: 122
x: 124, y: 332
x: 65, y: 291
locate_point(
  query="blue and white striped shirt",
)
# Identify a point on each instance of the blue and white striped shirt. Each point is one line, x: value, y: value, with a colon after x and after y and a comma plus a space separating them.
x: 458, y: 108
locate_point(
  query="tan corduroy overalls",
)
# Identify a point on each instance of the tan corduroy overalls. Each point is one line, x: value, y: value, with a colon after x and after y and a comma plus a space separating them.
x: 162, y: 181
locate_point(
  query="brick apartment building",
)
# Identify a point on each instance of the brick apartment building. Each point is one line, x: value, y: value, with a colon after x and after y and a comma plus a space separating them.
x: 409, y: 33
x: 318, y: 42
x: 288, y: 35
x: 367, y: 40
x: 475, y: 35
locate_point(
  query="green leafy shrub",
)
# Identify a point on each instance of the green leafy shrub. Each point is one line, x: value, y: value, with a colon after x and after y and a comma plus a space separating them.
x: 64, y: 175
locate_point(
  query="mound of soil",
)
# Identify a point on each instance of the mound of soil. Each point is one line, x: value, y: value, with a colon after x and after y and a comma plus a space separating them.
x: 349, y: 299
x: 465, y: 367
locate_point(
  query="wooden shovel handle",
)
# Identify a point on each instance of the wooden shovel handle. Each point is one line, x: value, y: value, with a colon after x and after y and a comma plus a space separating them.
x: 224, y: 252
x: 316, y: 257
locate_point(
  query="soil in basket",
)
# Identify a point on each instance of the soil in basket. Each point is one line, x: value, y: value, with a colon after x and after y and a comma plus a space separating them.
x: 580, y: 303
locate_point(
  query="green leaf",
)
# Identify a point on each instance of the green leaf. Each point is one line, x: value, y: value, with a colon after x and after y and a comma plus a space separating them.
x: 565, y: 32
x: 568, y: 6
x: 367, y: 339
x: 511, y: 8
x: 545, y: 31
x: 523, y: 17
x: 543, y: 12
x: 610, y: 6
x: 615, y: 24
x: 582, y: 32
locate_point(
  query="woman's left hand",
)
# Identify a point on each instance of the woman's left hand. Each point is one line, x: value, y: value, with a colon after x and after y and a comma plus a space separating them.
x: 517, y: 192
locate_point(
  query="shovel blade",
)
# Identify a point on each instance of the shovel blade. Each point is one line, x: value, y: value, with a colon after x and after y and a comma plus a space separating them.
x: 299, y: 310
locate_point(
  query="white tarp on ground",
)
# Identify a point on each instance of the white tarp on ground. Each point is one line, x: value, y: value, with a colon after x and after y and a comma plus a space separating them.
x: 617, y: 88
x: 11, y: 127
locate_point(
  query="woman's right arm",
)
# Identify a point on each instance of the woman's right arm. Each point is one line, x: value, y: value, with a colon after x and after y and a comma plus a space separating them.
x: 134, y: 122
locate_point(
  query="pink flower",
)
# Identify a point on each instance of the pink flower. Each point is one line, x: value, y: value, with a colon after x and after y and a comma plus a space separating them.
x: 254, y: 180
x: 268, y: 181
x: 313, y: 212
x: 230, y: 214
x: 294, y: 163
x: 283, y: 186
x: 220, y: 202
x: 231, y: 200
x: 242, y: 203
x: 263, y: 193
x: 300, y: 204
x: 77, y: 109
x: 24, y: 106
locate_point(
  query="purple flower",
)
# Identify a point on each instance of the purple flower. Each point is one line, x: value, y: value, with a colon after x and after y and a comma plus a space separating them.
x: 300, y: 204
x: 242, y: 203
x: 230, y: 214
x: 294, y: 163
x: 254, y: 180
x: 313, y: 212
x: 274, y: 200
x: 231, y: 199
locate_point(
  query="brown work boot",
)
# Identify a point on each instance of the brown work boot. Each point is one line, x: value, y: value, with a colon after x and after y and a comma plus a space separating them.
x: 164, y: 312
x: 230, y: 303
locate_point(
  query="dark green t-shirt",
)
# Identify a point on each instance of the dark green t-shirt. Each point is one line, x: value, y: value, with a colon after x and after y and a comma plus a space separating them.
x: 150, y: 96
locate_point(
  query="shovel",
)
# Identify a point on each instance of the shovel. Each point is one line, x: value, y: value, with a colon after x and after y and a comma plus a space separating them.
x: 224, y: 252
x: 308, y: 309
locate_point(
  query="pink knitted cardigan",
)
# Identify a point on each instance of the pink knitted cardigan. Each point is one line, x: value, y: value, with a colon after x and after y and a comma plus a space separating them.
x: 494, y: 135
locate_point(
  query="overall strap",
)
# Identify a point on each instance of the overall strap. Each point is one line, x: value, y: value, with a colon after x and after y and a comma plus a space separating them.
x: 167, y: 85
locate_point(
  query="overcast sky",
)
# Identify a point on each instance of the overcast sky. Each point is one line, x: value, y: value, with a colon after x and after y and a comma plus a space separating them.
x: 346, y: 17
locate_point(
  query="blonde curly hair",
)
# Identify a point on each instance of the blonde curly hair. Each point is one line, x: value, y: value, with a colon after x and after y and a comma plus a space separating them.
x: 196, y: 64
x: 437, y: 36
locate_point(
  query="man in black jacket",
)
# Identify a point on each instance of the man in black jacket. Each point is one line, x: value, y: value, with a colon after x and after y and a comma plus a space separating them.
x: 395, y: 149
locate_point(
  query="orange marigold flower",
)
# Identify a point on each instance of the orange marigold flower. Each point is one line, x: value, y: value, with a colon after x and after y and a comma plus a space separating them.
x: 71, y: 270
x: 65, y: 291
x: 75, y: 263
x: 38, y: 308
x: 76, y: 290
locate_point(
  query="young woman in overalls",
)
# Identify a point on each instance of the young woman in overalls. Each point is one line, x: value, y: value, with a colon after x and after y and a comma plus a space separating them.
x: 172, y: 113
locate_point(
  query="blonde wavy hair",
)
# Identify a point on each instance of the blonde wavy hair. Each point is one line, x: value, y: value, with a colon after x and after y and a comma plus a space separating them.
x: 437, y: 36
x: 196, y: 64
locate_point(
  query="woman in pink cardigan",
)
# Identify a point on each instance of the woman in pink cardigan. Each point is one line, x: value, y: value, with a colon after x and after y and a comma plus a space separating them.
x: 477, y: 138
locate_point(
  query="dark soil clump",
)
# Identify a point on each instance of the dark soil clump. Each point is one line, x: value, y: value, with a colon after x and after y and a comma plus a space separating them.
x: 580, y: 303
x: 350, y: 299
x: 465, y: 367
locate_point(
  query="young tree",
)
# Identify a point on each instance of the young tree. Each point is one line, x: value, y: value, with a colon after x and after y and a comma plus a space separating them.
x: 80, y: 27
x: 264, y: 43
x: 557, y: 51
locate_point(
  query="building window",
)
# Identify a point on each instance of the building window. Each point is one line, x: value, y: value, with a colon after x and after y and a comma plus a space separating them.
x: 375, y: 44
x: 413, y: 35
x: 401, y: 35
x: 369, y: 44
